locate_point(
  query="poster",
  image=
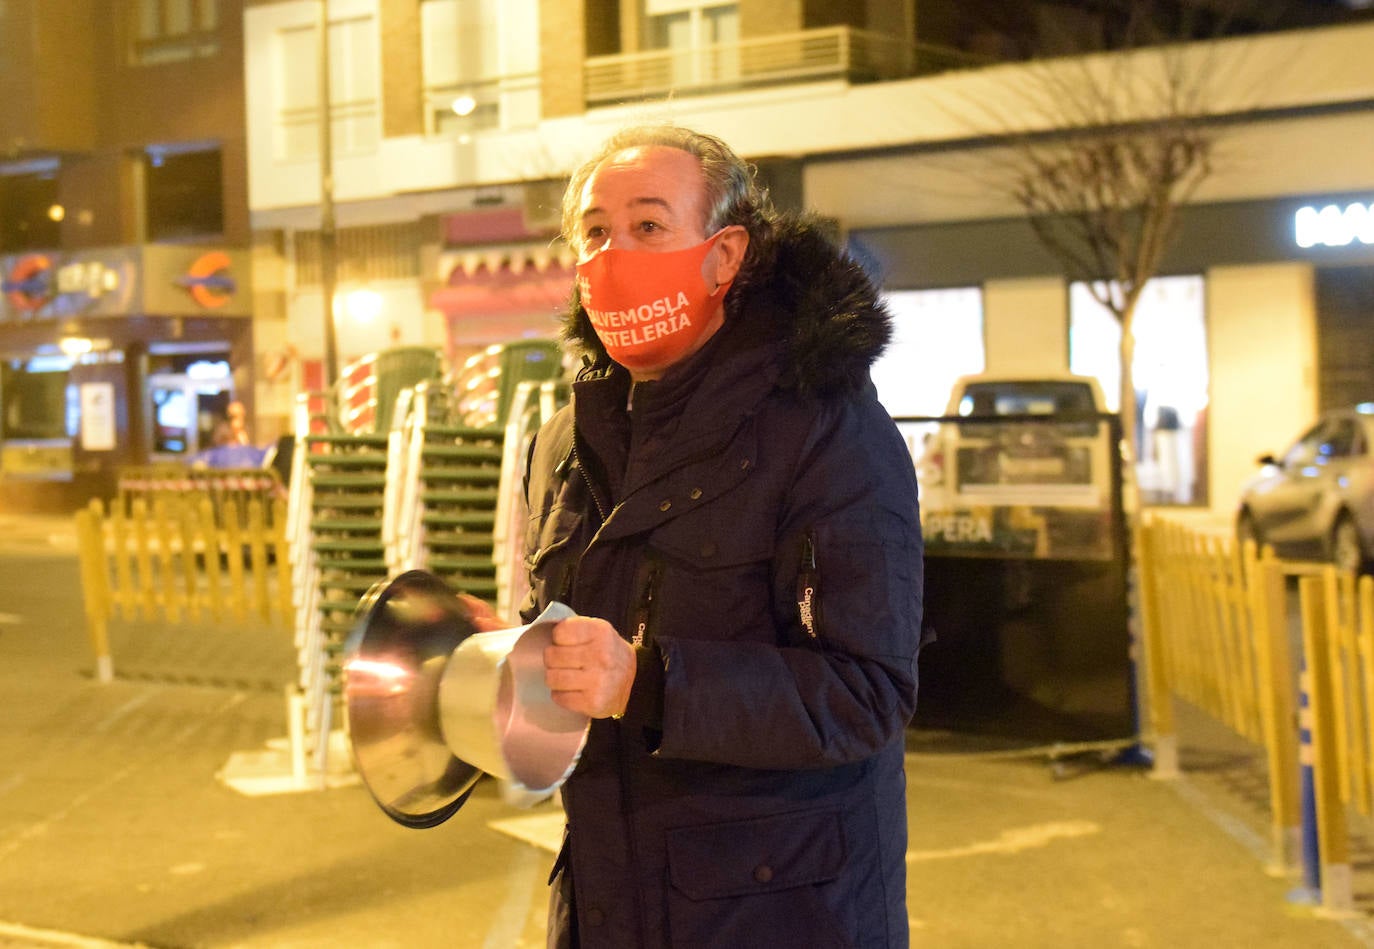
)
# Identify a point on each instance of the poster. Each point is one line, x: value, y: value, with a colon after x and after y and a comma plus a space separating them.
x: 97, y: 416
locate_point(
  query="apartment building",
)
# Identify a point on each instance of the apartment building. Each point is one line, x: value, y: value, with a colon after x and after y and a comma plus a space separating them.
x: 125, y: 316
x: 457, y: 120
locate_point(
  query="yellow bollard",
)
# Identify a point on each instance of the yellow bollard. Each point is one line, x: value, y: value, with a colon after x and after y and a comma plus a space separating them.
x: 1158, y: 689
x: 91, y: 544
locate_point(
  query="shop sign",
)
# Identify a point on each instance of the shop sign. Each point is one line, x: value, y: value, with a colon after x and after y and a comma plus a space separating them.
x: 209, y: 280
x: 1018, y: 532
x: 28, y: 283
x: 1334, y: 225
x: 190, y: 281
x: 90, y: 278
x: 37, y: 286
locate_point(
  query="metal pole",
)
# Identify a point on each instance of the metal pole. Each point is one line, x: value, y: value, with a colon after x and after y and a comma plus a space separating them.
x: 328, y: 244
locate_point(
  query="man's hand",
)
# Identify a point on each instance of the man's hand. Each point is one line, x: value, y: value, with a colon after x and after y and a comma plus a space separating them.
x: 482, y: 615
x: 589, y: 668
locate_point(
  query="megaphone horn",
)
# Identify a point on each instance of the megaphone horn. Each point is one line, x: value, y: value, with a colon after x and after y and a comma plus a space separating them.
x: 431, y: 703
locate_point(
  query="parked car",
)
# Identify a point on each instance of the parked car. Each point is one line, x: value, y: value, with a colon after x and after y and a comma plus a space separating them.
x: 1317, y: 500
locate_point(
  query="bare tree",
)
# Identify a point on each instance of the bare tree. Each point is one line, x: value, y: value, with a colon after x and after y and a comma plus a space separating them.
x: 1124, y: 141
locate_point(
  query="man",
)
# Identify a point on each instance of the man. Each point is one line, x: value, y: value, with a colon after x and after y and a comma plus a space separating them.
x: 733, y: 516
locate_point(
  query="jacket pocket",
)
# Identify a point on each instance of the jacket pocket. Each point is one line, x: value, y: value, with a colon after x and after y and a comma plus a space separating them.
x: 546, y: 535
x: 714, y: 580
x: 731, y: 882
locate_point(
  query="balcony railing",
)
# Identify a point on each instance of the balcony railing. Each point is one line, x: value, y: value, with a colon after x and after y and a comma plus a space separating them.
x: 837, y: 52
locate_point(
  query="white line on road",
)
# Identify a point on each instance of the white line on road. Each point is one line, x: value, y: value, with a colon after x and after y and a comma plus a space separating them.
x: 48, y: 937
x: 1012, y: 841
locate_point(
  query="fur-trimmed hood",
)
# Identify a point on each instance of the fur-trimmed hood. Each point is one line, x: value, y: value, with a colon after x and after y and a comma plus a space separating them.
x: 825, y: 310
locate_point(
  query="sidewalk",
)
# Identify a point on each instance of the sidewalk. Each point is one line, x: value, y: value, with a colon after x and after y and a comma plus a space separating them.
x: 115, y: 827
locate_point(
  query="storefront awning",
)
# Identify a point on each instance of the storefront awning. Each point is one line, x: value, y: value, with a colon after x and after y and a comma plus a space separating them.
x: 500, y: 283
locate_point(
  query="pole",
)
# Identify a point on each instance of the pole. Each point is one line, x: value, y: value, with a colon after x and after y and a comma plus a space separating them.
x: 328, y: 244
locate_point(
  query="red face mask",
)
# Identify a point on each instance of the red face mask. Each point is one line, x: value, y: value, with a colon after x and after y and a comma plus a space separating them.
x: 648, y: 308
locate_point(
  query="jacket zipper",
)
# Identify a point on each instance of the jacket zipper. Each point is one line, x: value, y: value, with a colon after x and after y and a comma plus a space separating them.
x: 591, y: 488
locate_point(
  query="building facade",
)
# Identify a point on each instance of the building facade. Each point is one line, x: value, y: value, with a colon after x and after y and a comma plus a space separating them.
x: 889, y: 118
x: 126, y: 311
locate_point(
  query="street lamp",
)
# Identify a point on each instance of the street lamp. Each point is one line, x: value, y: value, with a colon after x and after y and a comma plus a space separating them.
x: 328, y: 243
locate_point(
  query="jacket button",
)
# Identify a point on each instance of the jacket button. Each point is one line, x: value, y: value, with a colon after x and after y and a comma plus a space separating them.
x: 696, y: 494
x: 595, y: 917
x: 763, y: 873
x: 664, y: 505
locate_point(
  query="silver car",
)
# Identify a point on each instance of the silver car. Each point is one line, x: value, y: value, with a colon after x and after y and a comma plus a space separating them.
x: 1317, y: 501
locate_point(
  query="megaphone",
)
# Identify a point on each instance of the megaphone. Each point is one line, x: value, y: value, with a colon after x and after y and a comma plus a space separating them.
x: 431, y: 703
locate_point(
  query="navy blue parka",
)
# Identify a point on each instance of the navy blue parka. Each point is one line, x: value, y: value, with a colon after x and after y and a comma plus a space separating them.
x: 750, y: 522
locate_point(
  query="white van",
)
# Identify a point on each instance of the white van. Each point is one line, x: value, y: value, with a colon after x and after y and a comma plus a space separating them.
x: 1020, y: 464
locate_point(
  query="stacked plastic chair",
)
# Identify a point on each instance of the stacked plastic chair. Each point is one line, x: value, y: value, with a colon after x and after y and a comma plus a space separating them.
x: 461, y: 469
x: 338, y: 500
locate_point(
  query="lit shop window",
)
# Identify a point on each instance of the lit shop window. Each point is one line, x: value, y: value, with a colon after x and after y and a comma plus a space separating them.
x: 937, y: 336
x: 168, y: 31
x: 1170, y: 379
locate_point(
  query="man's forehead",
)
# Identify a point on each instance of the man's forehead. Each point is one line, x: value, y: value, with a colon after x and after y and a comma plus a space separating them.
x: 657, y: 173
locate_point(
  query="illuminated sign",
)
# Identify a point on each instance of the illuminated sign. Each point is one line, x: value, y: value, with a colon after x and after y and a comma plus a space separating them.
x: 1334, y: 226
x: 208, y: 280
x: 29, y: 284
x: 91, y: 278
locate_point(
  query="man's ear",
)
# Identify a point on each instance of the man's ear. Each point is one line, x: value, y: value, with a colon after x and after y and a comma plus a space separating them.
x: 729, y: 253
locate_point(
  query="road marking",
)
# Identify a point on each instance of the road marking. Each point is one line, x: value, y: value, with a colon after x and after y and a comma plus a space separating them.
x: 49, y: 937
x: 1012, y: 841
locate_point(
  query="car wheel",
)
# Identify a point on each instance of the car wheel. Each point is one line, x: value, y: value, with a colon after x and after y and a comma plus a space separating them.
x: 1247, y: 531
x: 1347, y: 553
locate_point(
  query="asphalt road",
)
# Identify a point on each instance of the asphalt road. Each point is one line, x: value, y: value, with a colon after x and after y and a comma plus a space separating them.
x: 116, y: 827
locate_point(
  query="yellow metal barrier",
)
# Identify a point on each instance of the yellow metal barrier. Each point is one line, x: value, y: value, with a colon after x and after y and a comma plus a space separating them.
x: 1204, y: 616
x: 195, y: 555
x: 1216, y: 634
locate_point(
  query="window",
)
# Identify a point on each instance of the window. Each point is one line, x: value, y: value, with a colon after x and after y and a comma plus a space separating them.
x: 353, y: 88
x: 183, y: 194
x: 34, y: 398
x: 1170, y: 377
x: 460, y: 65
x: 704, y: 32
x: 167, y: 31
x: 30, y: 217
